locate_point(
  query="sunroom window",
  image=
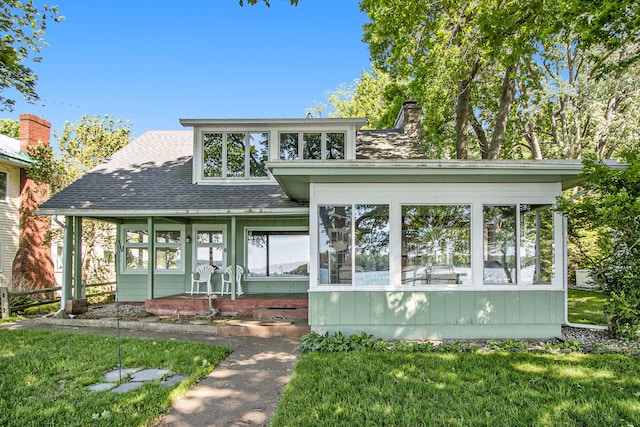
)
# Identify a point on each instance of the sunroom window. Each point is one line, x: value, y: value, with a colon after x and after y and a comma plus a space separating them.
x: 277, y: 253
x: 210, y: 248
x: 518, y: 244
x: 235, y: 154
x: 353, y: 243
x: 312, y: 145
x: 168, y: 250
x: 436, y: 245
x: 136, y: 249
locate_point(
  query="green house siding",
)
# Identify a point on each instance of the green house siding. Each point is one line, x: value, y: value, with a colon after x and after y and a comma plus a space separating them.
x: 435, y: 314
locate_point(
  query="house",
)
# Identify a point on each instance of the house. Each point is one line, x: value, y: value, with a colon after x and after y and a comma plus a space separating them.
x: 25, y: 261
x: 376, y: 237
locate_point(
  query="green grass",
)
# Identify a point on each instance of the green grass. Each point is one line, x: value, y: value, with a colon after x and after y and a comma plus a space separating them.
x: 43, y: 376
x: 586, y: 307
x: 484, y: 389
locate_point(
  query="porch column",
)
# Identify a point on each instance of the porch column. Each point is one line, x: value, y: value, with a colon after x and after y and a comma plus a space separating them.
x: 67, y: 262
x: 151, y: 264
x: 78, y: 291
x: 233, y: 257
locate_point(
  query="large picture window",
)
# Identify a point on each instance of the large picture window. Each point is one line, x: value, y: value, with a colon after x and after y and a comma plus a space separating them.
x: 277, y: 253
x: 436, y: 245
x: 235, y: 154
x: 353, y: 244
x: 518, y: 244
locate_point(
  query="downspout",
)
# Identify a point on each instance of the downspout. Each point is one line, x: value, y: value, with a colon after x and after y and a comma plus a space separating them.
x: 565, y: 257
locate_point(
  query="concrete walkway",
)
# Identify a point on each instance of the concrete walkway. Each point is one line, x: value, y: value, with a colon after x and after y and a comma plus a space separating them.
x: 243, y: 390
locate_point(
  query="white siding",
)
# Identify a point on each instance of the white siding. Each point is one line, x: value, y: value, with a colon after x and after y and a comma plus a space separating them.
x: 9, y: 223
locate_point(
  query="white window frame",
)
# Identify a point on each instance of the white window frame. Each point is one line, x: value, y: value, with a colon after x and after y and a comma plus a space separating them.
x: 247, y: 150
x: 6, y: 185
x: 195, y: 245
x: 247, y: 230
x: 148, y: 246
x: 323, y: 143
x: 475, y: 195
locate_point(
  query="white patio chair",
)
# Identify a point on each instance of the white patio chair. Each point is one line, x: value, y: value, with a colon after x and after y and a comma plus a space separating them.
x: 204, y: 273
x: 226, y: 280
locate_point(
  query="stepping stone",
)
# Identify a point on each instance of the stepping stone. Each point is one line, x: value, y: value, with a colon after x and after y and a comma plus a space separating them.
x: 150, y: 319
x: 200, y: 322
x: 149, y: 374
x: 101, y: 386
x: 173, y: 380
x: 114, y: 375
x: 124, y: 387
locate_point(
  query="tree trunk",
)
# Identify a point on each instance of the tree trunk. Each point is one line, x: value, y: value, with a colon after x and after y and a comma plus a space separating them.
x: 532, y: 139
x: 462, y: 106
x: 502, y: 118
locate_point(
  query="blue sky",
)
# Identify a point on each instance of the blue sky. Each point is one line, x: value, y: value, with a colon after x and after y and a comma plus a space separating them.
x: 154, y: 63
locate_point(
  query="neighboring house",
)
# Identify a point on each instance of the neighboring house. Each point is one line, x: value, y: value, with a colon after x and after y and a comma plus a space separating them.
x: 379, y: 238
x: 25, y: 262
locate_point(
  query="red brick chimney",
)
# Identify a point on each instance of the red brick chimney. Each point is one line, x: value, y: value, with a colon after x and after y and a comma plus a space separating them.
x: 33, y: 265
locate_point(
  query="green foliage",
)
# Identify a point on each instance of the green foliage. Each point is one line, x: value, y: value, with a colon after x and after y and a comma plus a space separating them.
x: 22, y: 28
x: 10, y: 128
x: 610, y: 206
x: 508, y: 345
x: 44, y: 375
x: 573, y: 345
x: 586, y: 307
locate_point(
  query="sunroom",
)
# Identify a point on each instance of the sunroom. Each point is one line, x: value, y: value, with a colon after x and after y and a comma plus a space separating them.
x: 434, y: 249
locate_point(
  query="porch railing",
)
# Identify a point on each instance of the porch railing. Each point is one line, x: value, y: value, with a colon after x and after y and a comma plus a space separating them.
x: 8, y: 308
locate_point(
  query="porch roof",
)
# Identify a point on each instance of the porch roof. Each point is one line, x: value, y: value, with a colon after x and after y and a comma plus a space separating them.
x: 295, y: 178
x: 152, y: 177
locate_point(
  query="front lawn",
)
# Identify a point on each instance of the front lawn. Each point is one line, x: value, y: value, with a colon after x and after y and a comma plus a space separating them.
x: 44, y: 375
x: 586, y: 307
x: 462, y: 389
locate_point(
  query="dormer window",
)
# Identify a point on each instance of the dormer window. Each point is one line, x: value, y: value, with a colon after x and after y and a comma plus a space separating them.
x: 235, y: 154
x: 312, y: 145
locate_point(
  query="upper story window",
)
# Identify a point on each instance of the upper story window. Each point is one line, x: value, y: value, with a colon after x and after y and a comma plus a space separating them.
x: 235, y: 154
x: 312, y: 145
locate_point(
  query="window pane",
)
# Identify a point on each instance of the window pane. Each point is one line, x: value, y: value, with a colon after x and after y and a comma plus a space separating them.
x: 289, y: 146
x: 259, y: 153
x: 235, y: 154
x: 3, y: 185
x: 136, y: 236
x: 372, y: 245
x: 167, y: 236
x: 137, y: 258
x: 436, y: 245
x: 499, y: 244
x: 209, y: 255
x: 167, y: 258
x: 209, y: 237
x: 312, y: 146
x: 335, y: 146
x: 334, y: 244
x: 536, y: 244
x: 277, y: 253
x: 212, y: 154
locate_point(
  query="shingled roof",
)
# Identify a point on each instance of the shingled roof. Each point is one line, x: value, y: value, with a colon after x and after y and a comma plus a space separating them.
x: 153, y: 174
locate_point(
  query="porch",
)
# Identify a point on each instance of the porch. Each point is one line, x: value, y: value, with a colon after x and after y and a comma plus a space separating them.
x: 260, y: 306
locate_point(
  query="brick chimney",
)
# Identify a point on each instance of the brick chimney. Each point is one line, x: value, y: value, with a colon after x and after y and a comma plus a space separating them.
x: 408, y: 119
x: 33, y: 265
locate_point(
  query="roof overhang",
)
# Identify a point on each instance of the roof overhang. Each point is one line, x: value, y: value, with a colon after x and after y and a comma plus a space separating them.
x: 187, y: 213
x: 295, y: 176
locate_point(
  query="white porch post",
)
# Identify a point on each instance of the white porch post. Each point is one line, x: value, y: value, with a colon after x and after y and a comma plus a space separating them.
x: 67, y: 259
x: 78, y: 291
x: 233, y: 257
x: 151, y: 263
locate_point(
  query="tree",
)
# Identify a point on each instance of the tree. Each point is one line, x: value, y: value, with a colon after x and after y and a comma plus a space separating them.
x: 83, y: 145
x: 10, y: 128
x: 22, y: 26
x: 609, y: 206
